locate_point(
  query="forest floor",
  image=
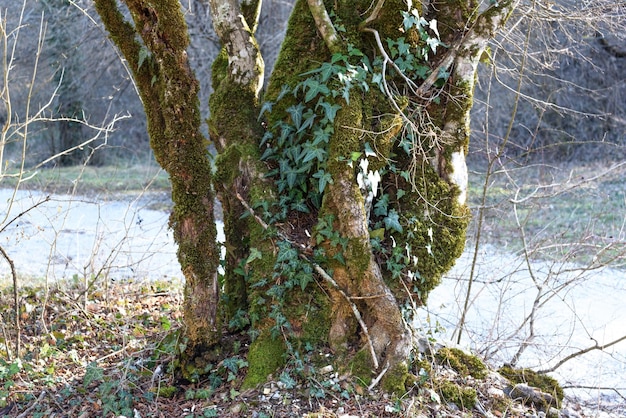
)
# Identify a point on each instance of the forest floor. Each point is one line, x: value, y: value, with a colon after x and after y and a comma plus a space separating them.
x: 110, y: 354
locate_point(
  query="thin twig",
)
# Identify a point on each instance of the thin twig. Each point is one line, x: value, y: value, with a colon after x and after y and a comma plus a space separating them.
x: 6, y: 340
x: 19, y: 215
x: 377, y: 379
x: 326, y: 277
x: 374, y: 15
x: 614, y: 389
x: 355, y: 310
x: 581, y: 352
x: 30, y: 408
x: 16, y: 301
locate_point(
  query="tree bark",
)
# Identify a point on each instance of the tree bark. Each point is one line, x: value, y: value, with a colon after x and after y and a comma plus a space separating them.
x: 169, y: 92
x: 236, y: 131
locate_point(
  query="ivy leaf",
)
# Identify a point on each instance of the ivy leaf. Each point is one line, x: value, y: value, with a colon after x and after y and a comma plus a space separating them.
x: 143, y: 54
x: 354, y: 52
x: 369, y: 152
x: 308, y: 122
x: 327, y: 70
x: 313, y: 152
x: 330, y: 110
x: 403, y: 47
x: 392, y: 221
x: 295, y: 111
x: 286, y: 253
x: 378, y: 233
x: 255, y: 254
x: 93, y: 373
x: 313, y: 89
x: 323, y: 179
x: 305, y: 279
x: 300, y: 206
x: 231, y: 364
x: 337, y: 56
x: 292, y: 176
x: 283, y: 91
x: 321, y: 136
x: 266, y: 107
x: 381, y: 206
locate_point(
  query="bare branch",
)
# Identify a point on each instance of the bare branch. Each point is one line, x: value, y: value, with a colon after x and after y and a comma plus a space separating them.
x: 16, y: 301
x: 581, y: 352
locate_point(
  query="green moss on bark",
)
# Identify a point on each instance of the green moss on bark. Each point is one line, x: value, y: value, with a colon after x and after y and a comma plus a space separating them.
x: 360, y: 366
x: 395, y: 380
x: 463, y: 397
x: 266, y: 355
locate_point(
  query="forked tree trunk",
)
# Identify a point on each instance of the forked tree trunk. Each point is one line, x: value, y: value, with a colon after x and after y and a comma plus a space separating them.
x: 337, y: 267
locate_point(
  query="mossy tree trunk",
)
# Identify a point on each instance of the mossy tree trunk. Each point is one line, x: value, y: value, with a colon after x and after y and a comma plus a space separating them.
x: 235, y: 130
x: 154, y: 44
x: 402, y: 94
x: 354, y: 186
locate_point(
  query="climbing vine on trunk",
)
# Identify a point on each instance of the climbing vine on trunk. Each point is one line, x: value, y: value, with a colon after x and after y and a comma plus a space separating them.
x: 343, y: 182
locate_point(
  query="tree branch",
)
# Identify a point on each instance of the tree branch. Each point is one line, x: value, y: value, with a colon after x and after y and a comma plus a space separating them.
x: 122, y: 33
x: 324, y: 25
x: 581, y: 352
x: 245, y: 62
x: 16, y: 300
x: 374, y: 15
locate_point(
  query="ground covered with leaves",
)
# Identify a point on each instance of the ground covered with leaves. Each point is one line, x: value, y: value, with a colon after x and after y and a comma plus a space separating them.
x: 111, y: 352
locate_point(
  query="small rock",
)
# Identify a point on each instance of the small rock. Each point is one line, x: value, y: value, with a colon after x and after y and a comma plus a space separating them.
x: 532, y: 395
x: 236, y: 408
x: 495, y: 392
x: 326, y: 369
x: 267, y: 391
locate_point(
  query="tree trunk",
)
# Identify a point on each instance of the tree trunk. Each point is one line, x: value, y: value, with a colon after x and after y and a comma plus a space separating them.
x: 412, y: 130
x: 235, y: 130
x: 169, y: 91
x: 354, y: 187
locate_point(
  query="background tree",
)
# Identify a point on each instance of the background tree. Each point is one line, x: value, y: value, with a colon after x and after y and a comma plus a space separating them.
x: 89, y: 83
x: 66, y: 139
x: 354, y: 184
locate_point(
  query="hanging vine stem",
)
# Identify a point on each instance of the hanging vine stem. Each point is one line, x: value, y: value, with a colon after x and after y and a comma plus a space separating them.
x: 327, y: 277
